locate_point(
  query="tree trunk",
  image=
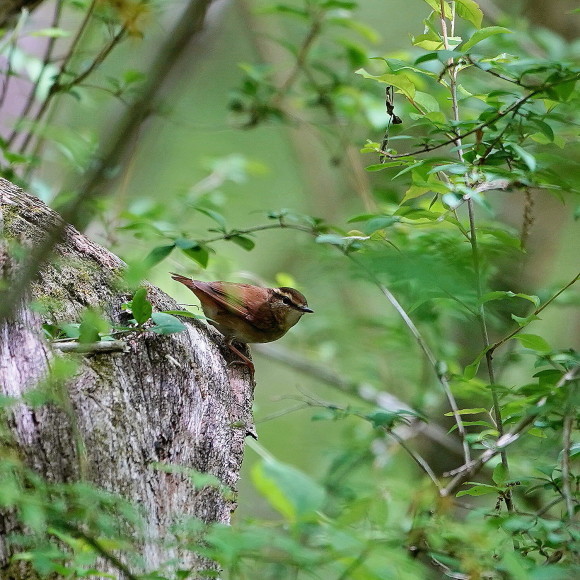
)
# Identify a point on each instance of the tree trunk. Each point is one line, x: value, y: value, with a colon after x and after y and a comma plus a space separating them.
x: 170, y: 399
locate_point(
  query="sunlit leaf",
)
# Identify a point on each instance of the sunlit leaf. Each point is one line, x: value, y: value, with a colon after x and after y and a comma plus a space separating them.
x: 400, y: 81
x: 470, y: 11
x: 479, y: 489
x: 140, y: 306
x: 482, y: 34
x: 533, y: 342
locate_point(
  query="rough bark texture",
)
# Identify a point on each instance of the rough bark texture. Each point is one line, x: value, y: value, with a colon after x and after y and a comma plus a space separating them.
x: 169, y: 399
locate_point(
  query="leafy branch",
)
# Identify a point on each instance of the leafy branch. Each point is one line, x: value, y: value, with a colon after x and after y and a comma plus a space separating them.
x: 467, y: 471
x: 513, y: 108
x: 530, y: 318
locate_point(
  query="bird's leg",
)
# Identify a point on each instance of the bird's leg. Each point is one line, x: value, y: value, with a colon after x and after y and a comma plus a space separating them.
x: 245, y: 360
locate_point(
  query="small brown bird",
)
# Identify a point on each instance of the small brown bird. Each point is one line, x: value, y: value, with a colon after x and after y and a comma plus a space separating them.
x: 247, y: 313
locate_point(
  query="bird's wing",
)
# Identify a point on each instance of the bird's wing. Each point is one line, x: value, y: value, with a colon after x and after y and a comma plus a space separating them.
x: 224, y: 295
x: 221, y: 293
x: 228, y: 297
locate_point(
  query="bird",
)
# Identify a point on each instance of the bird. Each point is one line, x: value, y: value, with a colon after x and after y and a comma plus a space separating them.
x: 246, y: 313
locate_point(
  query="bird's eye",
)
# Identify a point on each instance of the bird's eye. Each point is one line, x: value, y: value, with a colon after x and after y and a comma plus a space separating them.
x: 287, y: 301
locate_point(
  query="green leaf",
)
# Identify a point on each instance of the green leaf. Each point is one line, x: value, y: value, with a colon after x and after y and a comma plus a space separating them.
x: 436, y: 6
x: 474, y: 411
x: 243, y: 241
x: 185, y: 244
x: 91, y: 326
x: 485, y: 424
x: 479, y: 489
x: 428, y: 41
x: 133, y: 76
x: 158, y: 254
x: 382, y: 419
x: 214, y: 215
x: 199, y: 254
x: 565, y: 90
x: 363, y: 217
x: 141, y: 307
x: 482, y: 34
x: 333, y: 239
x: 427, y: 102
x: 533, y: 342
x: 524, y: 321
x: 524, y: 156
x: 502, y: 295
x: 500, y: 474
x: 575, y: 450
x: 399, y: 81
x: 544, y: 128
x: 88, y: 332
x: 289, y: 491
x: 378, y: 166
x: 441, y: 55
x: 470, y: 11
x: 471, y: 370
x: 71, y: 330
x: 379, y: 223
x: 166, y: 323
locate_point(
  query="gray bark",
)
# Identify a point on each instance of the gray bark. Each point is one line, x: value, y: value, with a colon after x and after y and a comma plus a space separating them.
x: 169, y: 399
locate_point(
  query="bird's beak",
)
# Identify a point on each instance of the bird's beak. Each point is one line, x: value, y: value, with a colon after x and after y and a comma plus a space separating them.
x: 306, y: 309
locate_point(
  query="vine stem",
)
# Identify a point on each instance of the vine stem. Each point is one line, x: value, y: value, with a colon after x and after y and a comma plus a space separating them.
x: 452, y: 72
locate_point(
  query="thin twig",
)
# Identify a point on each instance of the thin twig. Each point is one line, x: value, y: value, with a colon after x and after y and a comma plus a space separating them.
x: 419, y: 460
x: 432, y: 360
x: 46, y: 59
x: 537, y: 311
x: 91, y: 347
x: 569, y: 419
x: 307, y: 44
x: 98, y: 60
x: 279, y: 225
